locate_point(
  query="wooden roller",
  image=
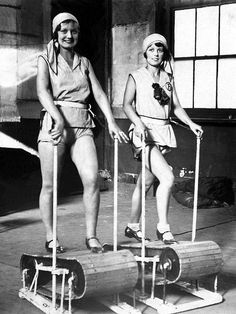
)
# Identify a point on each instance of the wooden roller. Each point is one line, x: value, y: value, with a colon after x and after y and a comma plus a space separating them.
x: 191, y: 260
x: 94, y: 274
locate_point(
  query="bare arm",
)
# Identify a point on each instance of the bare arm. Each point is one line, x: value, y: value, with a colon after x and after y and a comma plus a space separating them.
x: 183, y: 116
x: 103, y: 103
x: 129, y: 96
x: 46, y: 99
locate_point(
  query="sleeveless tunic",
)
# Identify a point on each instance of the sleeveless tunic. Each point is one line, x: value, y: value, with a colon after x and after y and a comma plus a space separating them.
x: 71, y: 90
x: 153, y: 113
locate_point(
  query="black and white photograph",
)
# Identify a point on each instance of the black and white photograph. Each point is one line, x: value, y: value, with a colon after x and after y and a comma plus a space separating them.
x: 118, y: 156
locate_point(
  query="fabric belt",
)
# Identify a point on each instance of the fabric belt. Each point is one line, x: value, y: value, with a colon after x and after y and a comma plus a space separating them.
x: 72, y: 104
x: 155, y: 121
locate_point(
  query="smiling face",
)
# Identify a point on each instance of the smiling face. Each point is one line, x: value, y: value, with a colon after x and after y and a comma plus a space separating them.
x: 155, y: 54
x: 68, y: 34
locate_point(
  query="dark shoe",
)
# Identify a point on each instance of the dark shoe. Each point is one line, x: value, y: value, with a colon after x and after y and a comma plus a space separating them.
x: 134, y: 234
x: 60, y: 249
x: 161, y: 236
x: 94, y: 249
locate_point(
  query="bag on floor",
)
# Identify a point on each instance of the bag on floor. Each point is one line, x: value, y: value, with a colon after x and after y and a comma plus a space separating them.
x: 212, y: 192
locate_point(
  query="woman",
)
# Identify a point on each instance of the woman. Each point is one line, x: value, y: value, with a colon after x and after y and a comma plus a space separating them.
x: 65, y: 81
x: 152, y: 90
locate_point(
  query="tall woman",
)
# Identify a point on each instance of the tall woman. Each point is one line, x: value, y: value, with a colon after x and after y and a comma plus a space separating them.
x: 65, y: 81
x: 152, y: 91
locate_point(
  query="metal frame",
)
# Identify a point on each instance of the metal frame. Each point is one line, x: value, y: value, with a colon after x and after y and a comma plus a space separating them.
x: 115, y: 305
x: 161, y: 305
x: 44, y: 304
x: 206, y: 298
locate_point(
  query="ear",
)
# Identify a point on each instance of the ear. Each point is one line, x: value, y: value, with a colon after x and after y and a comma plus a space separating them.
x: 56, y: 45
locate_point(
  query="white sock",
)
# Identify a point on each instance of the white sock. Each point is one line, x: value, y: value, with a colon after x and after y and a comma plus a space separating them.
x: 163, y: 227
x: 134, y: 226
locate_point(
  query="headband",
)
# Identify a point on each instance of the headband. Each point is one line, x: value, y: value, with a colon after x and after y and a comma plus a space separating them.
x: 154, y: 38
x: 61, y: 17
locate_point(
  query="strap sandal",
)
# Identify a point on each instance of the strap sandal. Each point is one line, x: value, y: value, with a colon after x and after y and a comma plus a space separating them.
x: 60, y: 249
x: 130, y: 233
x: 166, y: 237
x: 94, y: 249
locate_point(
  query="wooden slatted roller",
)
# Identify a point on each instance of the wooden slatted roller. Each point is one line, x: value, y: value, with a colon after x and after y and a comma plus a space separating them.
x: 191, y: 260
x: 95, y: 274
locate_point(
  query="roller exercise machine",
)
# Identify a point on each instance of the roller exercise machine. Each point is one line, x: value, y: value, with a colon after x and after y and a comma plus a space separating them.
x: 124, y: 269
x: 180, y: 265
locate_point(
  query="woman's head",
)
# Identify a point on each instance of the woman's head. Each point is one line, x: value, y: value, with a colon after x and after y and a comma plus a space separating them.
x: 158, y: 43
x: 66, y: 29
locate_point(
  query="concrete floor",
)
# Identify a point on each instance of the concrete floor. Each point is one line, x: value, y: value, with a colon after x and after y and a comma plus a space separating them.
x: 22, y: 232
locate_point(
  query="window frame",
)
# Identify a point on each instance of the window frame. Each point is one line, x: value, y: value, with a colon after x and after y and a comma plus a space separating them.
x: 209, y: 115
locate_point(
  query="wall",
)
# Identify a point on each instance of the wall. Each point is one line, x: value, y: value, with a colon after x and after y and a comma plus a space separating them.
x: 22, y: 40
x: 8, y: 64
x: 132, y: 20
x: 23, y: 32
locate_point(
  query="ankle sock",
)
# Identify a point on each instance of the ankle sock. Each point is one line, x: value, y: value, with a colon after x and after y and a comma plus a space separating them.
x: 163, y: 227
x: 134, y: 226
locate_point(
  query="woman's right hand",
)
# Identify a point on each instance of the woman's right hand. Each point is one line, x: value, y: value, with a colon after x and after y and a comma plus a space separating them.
x: 140, y: 130
x: 57, y: 131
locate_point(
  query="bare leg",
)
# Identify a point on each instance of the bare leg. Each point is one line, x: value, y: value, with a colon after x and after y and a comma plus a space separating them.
x: 84, y: 156
x: 156, y: 166
x: 133, y: 228
x: 163, y: 172
x: 46, y: 194
x: 136, y: 198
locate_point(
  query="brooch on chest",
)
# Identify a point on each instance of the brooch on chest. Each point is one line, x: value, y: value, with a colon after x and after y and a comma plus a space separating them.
x: 160, y: 95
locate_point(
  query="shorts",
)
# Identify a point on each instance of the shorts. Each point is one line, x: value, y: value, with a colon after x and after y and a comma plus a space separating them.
x: 70, y: 135
x: 136, y: 145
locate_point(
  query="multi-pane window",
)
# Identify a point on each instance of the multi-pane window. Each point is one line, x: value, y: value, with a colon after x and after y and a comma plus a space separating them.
x: 205, y: 56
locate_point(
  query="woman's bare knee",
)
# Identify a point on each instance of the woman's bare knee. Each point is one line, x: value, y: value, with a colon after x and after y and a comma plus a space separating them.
x: 168, y: 180
x: 90, y: 181
x: 47, y: 187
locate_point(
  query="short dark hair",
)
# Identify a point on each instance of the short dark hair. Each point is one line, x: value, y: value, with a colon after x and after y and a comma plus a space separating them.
x: 167, y: 55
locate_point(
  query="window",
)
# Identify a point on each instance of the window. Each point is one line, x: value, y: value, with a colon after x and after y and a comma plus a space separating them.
x: 205, y: 56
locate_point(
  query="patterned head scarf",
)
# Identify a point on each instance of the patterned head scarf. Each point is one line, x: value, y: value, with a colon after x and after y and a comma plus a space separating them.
x: 52, y: 45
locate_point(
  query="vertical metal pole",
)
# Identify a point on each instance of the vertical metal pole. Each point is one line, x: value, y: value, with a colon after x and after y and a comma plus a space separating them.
x: 197, y: 284
x: 115, y: 218
x: 143, y: 217
x: 196, y: 182
x: 216, y: 284
x: 54, y: 249
x: 62, y: 291
x: 70, y: 280
x: 164, y: 286
x: 134, y: 299
x: 153, y: 276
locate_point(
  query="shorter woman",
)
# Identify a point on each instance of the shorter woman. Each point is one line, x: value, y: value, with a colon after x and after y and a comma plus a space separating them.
x: 152, y: 90
x: 65, y: 82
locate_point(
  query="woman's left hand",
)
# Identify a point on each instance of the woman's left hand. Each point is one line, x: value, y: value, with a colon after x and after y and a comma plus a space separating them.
x: 116, y: 132
x: 197, y: 129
